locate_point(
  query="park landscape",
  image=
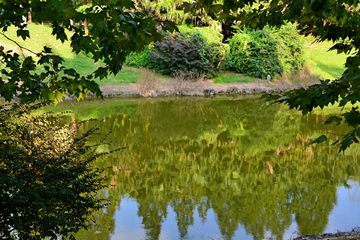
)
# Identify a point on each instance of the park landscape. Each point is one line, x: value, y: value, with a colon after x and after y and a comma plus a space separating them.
x: 161, y: 120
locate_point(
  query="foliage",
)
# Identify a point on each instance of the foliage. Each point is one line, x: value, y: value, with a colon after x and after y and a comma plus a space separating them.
x: 163, y: 10
x: 47, y: 184
x: 336, y: 21
x: 259, y: 53
x: 139, y: 60
x: 171, y: 10
x: 188, y: 56
x: 254, y: 53
x: 116, y: 31
x: 81, y: 62
x: 210, y: 34
x: 46, y: 177
x: 290, y: 47
x: 213, y: 38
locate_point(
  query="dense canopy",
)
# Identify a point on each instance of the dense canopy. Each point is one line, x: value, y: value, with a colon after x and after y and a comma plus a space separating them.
x: 116, y: 30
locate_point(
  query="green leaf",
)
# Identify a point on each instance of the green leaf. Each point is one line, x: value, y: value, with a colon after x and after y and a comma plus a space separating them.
x: 270, y: 97
x: 51, y: 96
x: 356, y: 77
x: 47, y: 50
x: 320, y: 139
x: 81, y: 96
x: 235, y: 175
x: 332, y: 119
x: 56, y: 97
x: 23, y: 34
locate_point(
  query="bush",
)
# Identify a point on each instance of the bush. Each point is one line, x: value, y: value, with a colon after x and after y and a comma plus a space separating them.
x: 46, y: 183
x: 139, y: 60
x: 269, y: 51
x: 213, y: 38
x: 189, y: 56
x: 290, y: 47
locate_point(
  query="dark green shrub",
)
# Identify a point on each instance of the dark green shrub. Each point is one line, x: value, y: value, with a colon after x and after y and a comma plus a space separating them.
x: 269, y: 51
x: 139, y: 60
x: 46, y: 183
x: 188, y: 56
x: 213, y: 38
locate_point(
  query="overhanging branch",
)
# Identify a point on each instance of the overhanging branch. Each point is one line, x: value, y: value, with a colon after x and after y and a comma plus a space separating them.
x: 21, y: 47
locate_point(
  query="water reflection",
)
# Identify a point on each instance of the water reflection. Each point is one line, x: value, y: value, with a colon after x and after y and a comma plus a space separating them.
x: 247, y: 163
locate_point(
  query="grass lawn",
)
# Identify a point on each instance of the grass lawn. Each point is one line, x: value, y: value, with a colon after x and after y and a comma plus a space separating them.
x: 327, y: 65
x: 228, y: 76
x: 41, y: 35
x: 84, y: 66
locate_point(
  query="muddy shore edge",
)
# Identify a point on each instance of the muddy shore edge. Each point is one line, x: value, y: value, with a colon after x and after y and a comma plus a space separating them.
x: 200, y: 88
x: 351, y: 235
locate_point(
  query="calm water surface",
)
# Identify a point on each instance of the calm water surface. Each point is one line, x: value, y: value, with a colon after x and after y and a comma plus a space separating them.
x: 218, y: 168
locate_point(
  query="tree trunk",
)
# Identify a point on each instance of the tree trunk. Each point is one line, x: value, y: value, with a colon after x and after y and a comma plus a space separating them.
x: 29, y: 17
x: 86, y: 23
x: 227, y: 31
x: 86, y: 27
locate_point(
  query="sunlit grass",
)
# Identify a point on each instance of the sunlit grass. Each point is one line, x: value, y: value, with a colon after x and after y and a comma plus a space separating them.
x: 326, y: 64
x: 227, y: 77
x: 40, y: 35
x: 335, y: 109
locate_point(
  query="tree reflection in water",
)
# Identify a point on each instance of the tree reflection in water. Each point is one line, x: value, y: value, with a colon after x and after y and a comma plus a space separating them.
x: 248, y: 162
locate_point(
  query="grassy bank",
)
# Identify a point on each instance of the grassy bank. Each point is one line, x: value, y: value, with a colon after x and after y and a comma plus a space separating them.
x: 41, y: 35
x: 327, y: 65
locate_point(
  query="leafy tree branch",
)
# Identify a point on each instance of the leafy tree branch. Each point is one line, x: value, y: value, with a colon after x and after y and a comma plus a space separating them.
x: 20, y: 46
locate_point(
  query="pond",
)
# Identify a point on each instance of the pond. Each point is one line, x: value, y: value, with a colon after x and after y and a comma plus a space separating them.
x: 218, y: 168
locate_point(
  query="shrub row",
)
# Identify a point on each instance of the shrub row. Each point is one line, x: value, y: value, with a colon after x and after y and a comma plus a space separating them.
x: 187, y: 56
x: 269, y: 51
x: 196, y: 52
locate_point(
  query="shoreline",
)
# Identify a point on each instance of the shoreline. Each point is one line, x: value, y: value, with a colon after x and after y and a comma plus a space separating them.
x: 352, y: 235
x: 199, y: 88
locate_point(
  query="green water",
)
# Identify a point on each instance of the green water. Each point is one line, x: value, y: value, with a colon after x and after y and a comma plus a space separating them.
x: 218, y: 168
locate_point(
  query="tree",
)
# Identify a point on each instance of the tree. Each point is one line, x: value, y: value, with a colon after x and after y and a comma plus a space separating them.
x: 332, y: 20
x: 116, y: 31
x: 47, y: 185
